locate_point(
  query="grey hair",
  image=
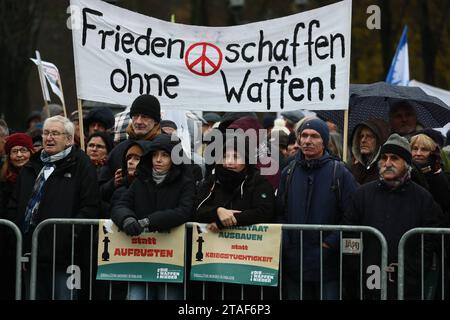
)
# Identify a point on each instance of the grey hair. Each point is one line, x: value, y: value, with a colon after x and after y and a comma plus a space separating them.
x: 69, y: 128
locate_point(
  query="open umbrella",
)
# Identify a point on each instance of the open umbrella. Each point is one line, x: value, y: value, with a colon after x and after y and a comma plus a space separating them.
x: 373, y: 101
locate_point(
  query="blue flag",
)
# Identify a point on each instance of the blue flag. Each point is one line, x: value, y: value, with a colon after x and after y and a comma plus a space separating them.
x: 399, y: 72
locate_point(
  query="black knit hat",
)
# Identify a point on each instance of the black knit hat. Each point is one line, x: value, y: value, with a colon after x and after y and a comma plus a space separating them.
x: 102, y: 115
x: 435, y: 135
x: 147, y: 105
x: 397, y: 145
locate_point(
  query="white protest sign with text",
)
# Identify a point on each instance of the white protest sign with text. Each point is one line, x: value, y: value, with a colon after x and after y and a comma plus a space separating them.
x: 301, y: 61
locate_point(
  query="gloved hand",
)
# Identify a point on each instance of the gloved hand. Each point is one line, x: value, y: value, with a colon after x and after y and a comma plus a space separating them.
x: 144, y: 223
x: 132, y: 227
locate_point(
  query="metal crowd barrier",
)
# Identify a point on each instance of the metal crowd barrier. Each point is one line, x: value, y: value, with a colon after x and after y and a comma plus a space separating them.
x: 18, y: 235
x: 341, y: 229
x: 298, y: 227
x: 401, y: 259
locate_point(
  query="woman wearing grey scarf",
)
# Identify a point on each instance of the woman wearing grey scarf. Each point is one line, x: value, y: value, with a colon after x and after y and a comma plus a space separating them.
x: 160, y: 198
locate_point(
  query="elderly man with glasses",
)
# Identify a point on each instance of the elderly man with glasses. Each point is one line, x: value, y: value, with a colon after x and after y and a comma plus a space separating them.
x: 57, y: 182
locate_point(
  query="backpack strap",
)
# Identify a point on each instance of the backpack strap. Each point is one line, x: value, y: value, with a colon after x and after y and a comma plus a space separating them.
x: 337, y: 183
x: 290, y: 170
x: 336, y: 187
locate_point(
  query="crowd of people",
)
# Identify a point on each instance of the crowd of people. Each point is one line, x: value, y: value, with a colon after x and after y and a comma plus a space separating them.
x: 396, y: 179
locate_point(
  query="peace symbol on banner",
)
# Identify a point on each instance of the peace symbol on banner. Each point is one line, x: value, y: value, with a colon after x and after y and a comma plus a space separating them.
x: 203, y: 58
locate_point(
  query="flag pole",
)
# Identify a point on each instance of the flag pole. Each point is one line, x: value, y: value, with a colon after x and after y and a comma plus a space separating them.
x: 80, y: 123
x: 345, y: 138
x: 63, y: 100
x: 42, y: 81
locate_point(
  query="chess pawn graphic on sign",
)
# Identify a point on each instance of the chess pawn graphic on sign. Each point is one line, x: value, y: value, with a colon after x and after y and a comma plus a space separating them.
x: 199, y: 254
x: 106, y: 241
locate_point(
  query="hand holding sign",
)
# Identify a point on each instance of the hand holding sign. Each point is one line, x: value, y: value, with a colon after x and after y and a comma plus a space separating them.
x: 226, y: 216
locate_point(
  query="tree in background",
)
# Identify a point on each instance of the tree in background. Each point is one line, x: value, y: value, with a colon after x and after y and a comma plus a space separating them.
x: 20, y: 26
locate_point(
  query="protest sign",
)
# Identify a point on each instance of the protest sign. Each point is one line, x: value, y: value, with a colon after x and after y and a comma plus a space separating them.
x: 245, y: 255
x: 301, y: 61
x: 153, y: 256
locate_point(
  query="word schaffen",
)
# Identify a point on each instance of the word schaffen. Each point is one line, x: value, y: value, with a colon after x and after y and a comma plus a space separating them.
x: 301, y: 59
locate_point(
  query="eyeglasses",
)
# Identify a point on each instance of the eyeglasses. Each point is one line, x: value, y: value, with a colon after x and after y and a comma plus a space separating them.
x: 54, y: 134
x: 21, y: 150
x: 98, y: 146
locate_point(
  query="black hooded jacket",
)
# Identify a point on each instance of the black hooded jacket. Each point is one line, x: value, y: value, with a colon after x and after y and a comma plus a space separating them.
x: 110, y: 190
x: 254, y: 197
x: 168, y: 204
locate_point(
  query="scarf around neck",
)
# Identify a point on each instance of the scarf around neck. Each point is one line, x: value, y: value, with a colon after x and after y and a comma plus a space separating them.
x: 158, y: 177
x: 149, y: 136
x: 229, y: 179
x: 37, y: 193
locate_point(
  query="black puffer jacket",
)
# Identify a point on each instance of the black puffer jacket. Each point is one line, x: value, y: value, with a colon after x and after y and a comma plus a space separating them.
x: 71, y: 191
x: 168, y: 204
x: 254, y: 197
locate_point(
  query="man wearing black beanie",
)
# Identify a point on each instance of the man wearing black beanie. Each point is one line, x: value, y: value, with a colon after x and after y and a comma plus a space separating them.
x: 145, y: 114
x: 146, y: 105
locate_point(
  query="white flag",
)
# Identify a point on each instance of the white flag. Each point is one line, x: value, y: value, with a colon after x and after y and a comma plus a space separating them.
x: 44, y: 88
x: 51, y: 73
x: 399, y: 72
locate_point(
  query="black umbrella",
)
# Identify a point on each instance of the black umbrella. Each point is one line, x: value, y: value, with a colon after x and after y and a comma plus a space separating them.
x: 373, y: 101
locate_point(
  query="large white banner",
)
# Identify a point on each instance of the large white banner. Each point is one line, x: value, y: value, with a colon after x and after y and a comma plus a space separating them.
x: 298, y: 61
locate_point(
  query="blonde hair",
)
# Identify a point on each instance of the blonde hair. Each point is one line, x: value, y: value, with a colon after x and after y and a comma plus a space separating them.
x: 424, y: 140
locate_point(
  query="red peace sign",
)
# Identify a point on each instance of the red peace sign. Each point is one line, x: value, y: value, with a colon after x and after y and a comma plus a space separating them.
x: 203, y: 58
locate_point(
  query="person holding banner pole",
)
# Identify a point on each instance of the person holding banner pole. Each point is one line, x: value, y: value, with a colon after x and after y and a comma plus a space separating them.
x: 160, y: 198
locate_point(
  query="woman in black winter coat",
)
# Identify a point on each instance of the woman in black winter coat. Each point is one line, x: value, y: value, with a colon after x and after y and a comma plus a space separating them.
x: 427, y: 171
x: 234, y: 195
x: 18, y: 150
x: 160, y: 198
